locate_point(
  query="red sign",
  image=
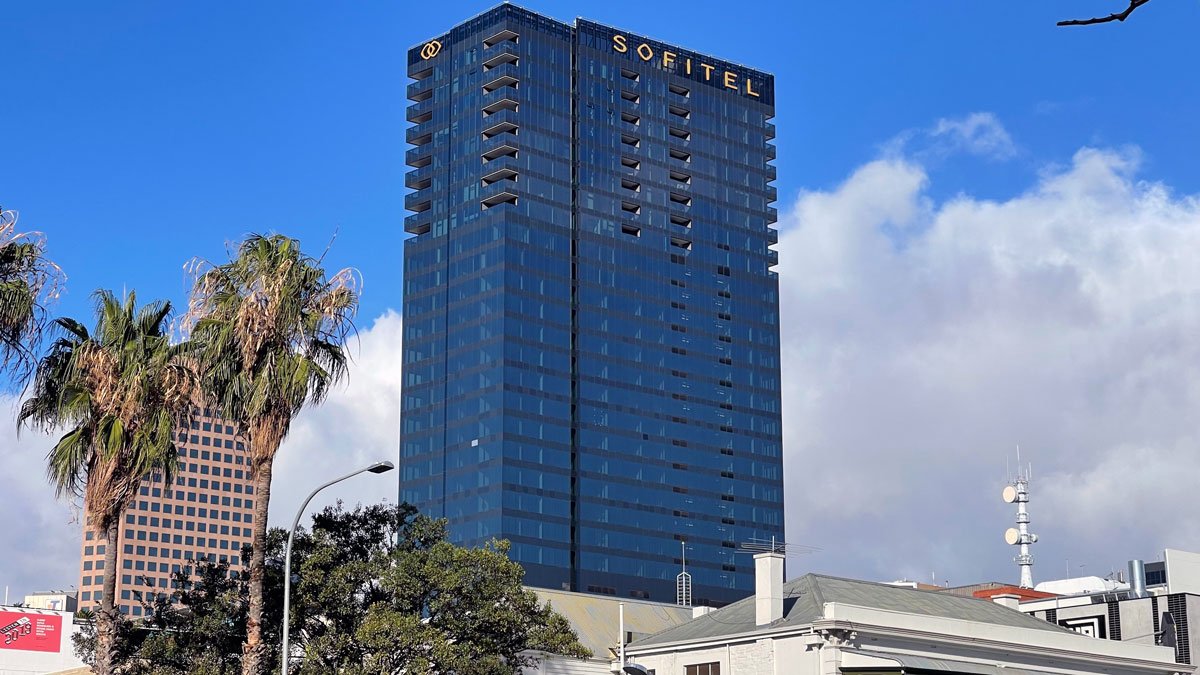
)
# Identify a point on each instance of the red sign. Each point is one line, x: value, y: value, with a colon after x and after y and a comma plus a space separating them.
x: 30, y: 632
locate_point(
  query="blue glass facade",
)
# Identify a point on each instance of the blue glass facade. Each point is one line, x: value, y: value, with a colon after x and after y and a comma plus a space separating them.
x: 591, y: 347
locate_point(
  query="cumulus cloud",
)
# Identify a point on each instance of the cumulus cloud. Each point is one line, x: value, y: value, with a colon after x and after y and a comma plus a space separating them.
x: 40, y: 535
x: 923, y: 340
x: 358, y: 425
x: 978, y: 134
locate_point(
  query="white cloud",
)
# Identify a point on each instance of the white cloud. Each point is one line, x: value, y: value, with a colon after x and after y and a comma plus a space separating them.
x: 979, y: 134
x: 358, y: 425
x: 40, y: 536
x: 1064, y: 318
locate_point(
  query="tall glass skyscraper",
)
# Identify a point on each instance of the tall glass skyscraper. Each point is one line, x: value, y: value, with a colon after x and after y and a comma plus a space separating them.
x: 591, y: 321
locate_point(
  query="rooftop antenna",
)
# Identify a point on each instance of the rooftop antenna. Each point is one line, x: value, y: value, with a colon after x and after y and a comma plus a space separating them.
x: 683, y: 582
x: 1017, y: 491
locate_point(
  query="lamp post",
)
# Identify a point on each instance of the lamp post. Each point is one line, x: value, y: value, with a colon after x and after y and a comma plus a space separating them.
x: 378, y: 467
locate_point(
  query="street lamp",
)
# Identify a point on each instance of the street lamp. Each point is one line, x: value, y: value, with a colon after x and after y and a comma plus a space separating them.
x: 378, y: 467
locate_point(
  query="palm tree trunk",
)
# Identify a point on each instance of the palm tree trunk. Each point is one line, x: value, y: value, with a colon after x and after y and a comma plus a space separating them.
x: 106, y: 618
x: 254, y: 652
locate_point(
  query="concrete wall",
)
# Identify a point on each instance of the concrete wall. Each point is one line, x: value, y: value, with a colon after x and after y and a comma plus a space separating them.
x: 1183, y: 571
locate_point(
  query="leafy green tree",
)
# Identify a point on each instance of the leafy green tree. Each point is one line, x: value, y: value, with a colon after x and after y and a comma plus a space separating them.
x: 422, y: 605
x: 271, y: 326
x: 379, y: 590
x: 27, y: 280
x: 119, y: 392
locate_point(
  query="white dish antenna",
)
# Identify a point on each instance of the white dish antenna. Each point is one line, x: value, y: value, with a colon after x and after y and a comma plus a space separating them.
x: 1012, y: 536
x: 1009, y: 495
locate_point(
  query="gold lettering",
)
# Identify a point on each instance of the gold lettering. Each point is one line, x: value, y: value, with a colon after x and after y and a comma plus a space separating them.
x: 731, y: 80
x: 645, y: 51
x: 749, y: 90
x: 619, y: 44
x: 707, y: 70
x: 668, y: 59
x: 687, y: 66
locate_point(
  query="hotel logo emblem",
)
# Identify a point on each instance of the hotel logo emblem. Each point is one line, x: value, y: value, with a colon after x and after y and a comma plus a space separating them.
x: 430, y: 49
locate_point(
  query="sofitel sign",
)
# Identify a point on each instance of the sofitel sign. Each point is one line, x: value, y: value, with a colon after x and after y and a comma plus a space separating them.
x: 670, y: 60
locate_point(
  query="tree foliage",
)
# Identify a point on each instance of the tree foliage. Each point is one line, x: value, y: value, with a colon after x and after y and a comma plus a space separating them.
x: 28, y: 280
x: 377, y: 589
x: 271, y: 326
x: 119, y: 392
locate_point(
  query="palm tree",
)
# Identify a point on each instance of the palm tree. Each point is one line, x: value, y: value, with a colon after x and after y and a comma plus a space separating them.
x: 119, y: 392
x: 27, y: 280
x: 270, y: 329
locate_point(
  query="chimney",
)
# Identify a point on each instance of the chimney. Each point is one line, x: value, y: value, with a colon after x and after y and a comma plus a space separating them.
x: 1009, y: 600
x: 1137, y: 578
x: 768, y: 588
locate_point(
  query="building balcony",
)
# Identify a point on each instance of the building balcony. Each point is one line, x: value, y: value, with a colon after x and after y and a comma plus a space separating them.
x: 419, y: 134
x: 421, y: 90
x: 495, y: 148
x: 772, y: 194
x: 504, y: 36
x: 500, y: 170
x: 500, y: 77
x: 419, y: 113
x: 770, y: 151
x: 418, y: 223
x: 419, y: 201
x: 499, y: 192
x: 772, y: 215
x: 501, y: 99
x: 419, y: 157
x: 772, y: 257
x: 772, y: 172
x: 503, y: 53
x: 772, y: 236
x: 419, y: 179
x: 502, y: 122
x: 769, y: 130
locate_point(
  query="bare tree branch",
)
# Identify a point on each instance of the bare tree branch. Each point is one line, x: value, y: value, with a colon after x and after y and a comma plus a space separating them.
x: 1119, y: 16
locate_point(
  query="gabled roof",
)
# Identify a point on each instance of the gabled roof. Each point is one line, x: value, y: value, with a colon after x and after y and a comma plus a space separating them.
x: 804, y: 601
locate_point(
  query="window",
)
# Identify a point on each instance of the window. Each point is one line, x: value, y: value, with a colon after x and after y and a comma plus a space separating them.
x: 630, y: 163
x: 681, y: 134
x: 630, y: 96
x: 678, y: 90
x: 629, y: 74
x: 631, y: 230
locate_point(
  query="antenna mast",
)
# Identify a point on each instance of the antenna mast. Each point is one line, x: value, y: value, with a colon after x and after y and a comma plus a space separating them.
x: 1018, y: 492
x: 683, y: 582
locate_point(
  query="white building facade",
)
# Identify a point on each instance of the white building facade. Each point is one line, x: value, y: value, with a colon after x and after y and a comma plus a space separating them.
x: 828, y: 626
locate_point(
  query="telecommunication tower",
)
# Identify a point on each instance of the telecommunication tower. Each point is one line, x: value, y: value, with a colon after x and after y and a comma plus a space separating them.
x: 683, y: 582
x: 1017, y: 491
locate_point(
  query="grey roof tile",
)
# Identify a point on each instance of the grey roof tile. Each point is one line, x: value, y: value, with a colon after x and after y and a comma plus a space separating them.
x: 804, y: 599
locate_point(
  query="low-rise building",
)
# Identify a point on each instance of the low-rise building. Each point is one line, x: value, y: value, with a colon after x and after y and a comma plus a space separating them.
x: 61, y: 601
x: 597, y: 620
x: 821, y: 625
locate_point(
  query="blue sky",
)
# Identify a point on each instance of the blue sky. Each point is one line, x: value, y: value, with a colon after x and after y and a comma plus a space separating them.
x: 989, y: 228
x: 139, y: 134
